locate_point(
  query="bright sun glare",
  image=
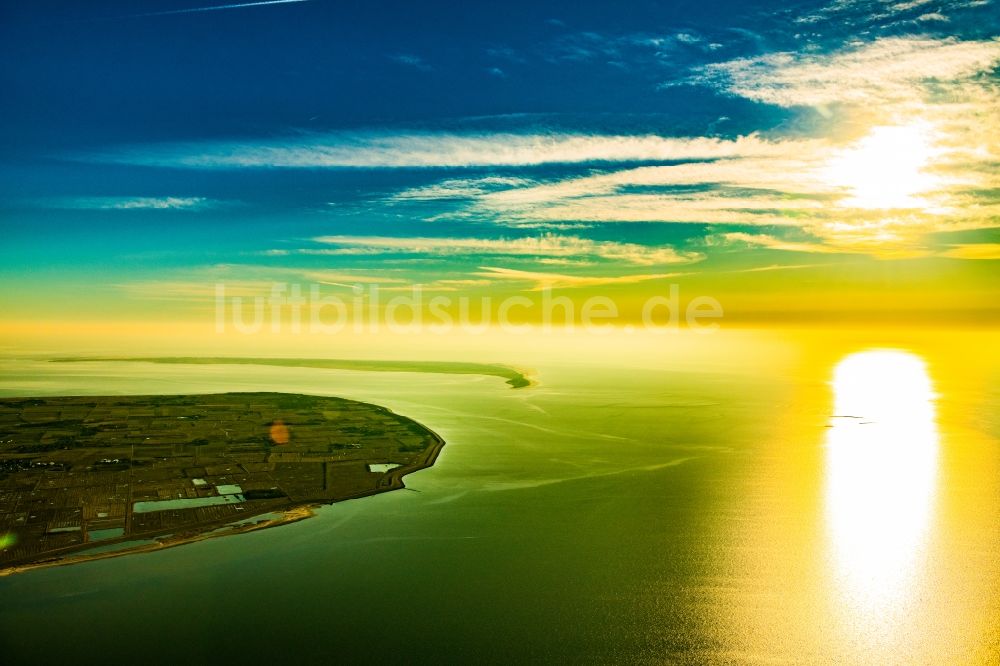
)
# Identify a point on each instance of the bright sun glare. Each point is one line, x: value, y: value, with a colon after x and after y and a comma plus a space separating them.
x: 887, y: 168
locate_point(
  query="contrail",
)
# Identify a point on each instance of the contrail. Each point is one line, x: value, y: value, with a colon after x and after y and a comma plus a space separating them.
x: 216, y: 8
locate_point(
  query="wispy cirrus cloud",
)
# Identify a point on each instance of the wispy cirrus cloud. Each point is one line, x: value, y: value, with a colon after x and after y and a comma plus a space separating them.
x: 461, y: 188
x: 543, y: 246
x: 880, y: 194
x: 431, y: 149
x: 131, y: 203
x: 192, y: 290
x: 940, y: 90
x: 886, y: 14
x: 889, y: 70
x: 771, y: 242
x: 912, y: 159
x: 410, y: 60
x: 739, y: 191
x: 623, y: 50
x: 201, y: 284
x: 544, y: 280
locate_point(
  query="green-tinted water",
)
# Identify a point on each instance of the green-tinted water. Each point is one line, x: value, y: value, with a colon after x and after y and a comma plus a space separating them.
x: 627, y: 510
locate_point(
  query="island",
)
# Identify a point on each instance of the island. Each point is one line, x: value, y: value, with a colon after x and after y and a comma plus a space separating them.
x: 514, y: 377
x: 96, y: 476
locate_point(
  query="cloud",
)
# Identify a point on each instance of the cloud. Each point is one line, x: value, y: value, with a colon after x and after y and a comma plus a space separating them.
x: 432, y: 149
x: 133, y: 203
x: 888, y: 70
x: 344, y: 277
x: 779, y: 189
x: 545, y: 245
x: 776, y: 267
x: 460, y: 188
x: 440, y: 285
x: 880, y: 192
x: 922, y: 158
x: 772, y: 243
x: 507, y: 54
x: 853, y: 191
x: 625, y: 51
x: 192, y: 290
x: 905, y: 6
x: 560, y: 281
x: 739, y: 191
x: 199, y: 284
x: 875, y: 15
x: 863, y: 243
x: 411, y: 60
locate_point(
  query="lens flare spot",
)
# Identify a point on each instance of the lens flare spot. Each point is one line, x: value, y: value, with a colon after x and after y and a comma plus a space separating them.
x: 279, y: 432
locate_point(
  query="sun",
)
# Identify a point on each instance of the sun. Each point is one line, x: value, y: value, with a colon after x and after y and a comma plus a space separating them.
x: 887, y: 168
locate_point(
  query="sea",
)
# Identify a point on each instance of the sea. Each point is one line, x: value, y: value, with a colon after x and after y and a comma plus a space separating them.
x: 761, y: 497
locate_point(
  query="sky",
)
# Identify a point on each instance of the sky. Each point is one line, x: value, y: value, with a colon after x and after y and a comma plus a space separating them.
x: 793, y: 160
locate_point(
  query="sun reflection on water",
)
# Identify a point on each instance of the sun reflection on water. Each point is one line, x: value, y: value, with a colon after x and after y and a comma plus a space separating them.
x: 881, y: 477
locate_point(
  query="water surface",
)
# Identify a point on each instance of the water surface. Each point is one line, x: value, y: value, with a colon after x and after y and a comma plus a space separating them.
x: 774, y: 499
